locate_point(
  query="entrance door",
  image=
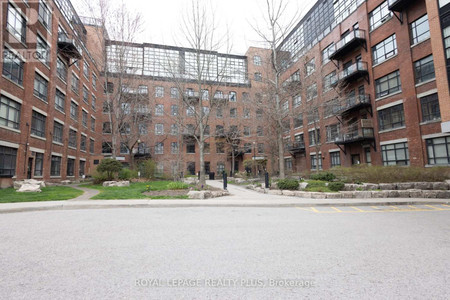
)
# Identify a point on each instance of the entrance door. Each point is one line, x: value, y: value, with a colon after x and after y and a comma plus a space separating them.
x: 207, y: 167
x: 356, y: 159
x: 30, y: 167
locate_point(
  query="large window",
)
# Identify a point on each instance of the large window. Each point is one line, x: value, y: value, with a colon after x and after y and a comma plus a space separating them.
x: 438, y: 150
x: 159, y: 148
x: 298, y: 120
x: 61, y: 69
x: 258, y: 77
x: 72, y: 138
x: 38, y: 164
x: 58, y: 132
x: 84, y: 118
x: 388, y: 84
x: 328, y: 81
x: 16, y: 23
x: 446, y: 33
x: 74, y: 110
x: 313, y: 139
x: 395, y: 154
x: 75, y: 84
x: 384, y: 50
x: 310, y: 67
x: 45, y: 15
x: 327, y: 52
x: 60, y: 101
x: 430, y: 108
x: 332, y: 132
x: 12, y: 67
x: 91, y: 146
x: 55, y: 167
x: 159, y: 92
x: 40, y: 87
x: 70, y: 167
x: 420, y: 30
x: 220, y: 148
x: 335, y: 158
x: 174, y: 148
x: 85, y: 95
x: 43, y: 50
x: 391, y: 118
x: 311, y: 92
x: 38, y: 124
x: 159, y: 129
x: 190, y: 148
x: 257, y: 61
x: 159, y: 110
x: 9, y: 113
x: 8, y: 157
x: 424, y: 69
x: 379, y: 15
x: 314, y: 162
x: 83, y: 143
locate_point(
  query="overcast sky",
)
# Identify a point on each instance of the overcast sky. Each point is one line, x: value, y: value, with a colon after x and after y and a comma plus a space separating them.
x: 162, y: 18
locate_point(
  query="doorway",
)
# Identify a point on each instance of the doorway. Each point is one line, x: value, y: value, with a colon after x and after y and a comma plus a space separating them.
x: 356, y: 159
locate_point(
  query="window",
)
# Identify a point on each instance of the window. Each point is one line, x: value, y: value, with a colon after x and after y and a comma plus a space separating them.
x: 205, y: 95
x: 420, y: 30
x: 285, y: 107
x: 86, y: 70
x: 438, y: 151
x: 259, y: 131
x: 74, y: 110
x: 16, y: 23
x: 424, y: 69
x: 207, y: 148
x: 70, y: 167
x: 159, y: 129
x: 443, y: 3
x: 93, y: 102
x: 313, y: 115
x: 12, y: 67
x: 45, y: 15
x: 311, y: 92
x: 328, y: 81
x: 379, y: 15
x: 205, y: 110
x: 159, y: 110
x: 288, y: 164
x: 392, y: 117
x: 233, y: 112
x: 174, y: 148
x: 297, y: 101
x: 220, y: 148
x: 72, y: 138
x: 124, y: 128
x: 388, y: 84
x: 446, y: 33
x: 61, y: 69
x: 332, y: 132
x: 84, y: 118
x: 75, y: 84
x: 174, y: 94
x: 232, y: 96
x: 190, y: 148
x: 327, y: 52
x: 8, y: 158
x: 314, y: 162
x: 206, y: 130
x: 159, y: 92
x: 174, y: 129
x: 257, y: 61
x: 142, y: 128
x: 260, y: 148
x: 310, y: 67
x: 190, y: 111
x: 220, y: 168
x: 298, y: 120
x: 332, y: 107
x: 430, y: 108
x: 106, y: 127
x: 258, y: 77
x: 159, y: 148
x: 55, y: 166
x: 38, y: 124
x: 395, y: 154
x: 219, y: 112
x: 82, y: 168
x: 248, y: 148
x: 83, y: 143
x: 9, y: 113
x: 384, y: 50
x: 85, y: 95
x: 259, y: 114
x: 246, y: 113
x: 106, y: 148
x: 124, y: 148
x: 92, y: 124
x: 43, y: 50
x: 91, y: 145
x: 247, y: 131
x: 40, y: 87
x: 60, y: 101
x: 58, y: 132
x: 335, y: 158
x: 312, y: 137
x: 94, y: 81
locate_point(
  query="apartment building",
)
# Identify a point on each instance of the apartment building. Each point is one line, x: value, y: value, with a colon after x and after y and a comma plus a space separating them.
x: 372, y: 78
x: 50, y: 94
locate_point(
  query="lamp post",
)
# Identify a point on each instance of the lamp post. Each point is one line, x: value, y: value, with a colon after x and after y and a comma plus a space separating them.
x: 254, y: 156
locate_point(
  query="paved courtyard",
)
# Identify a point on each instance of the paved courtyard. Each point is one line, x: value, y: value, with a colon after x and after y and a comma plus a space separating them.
x: 226, y: 253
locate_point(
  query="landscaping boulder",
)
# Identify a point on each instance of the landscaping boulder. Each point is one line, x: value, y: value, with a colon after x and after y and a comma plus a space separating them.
x: 351, y: 187
x: 317, y: 195
x: 288, y: 193
x: 440, y: 186
x: 239, y: 180
x: 303, y: 194
x: 20, y: 183
x: 116, y: 183
x: 403, y: 194
x: 363, y: 194
x: 379, y: 194
x: 334, y: 196
x: 443, y: 194
x: 387, y: 186
x: 190, y: 180
x: 423, y: 185
x: 199, y: 194
x: 29, y: 188
x: 65, y: 182
x: 405, y: 185
x: 415, y: 193
x: 275, y: 192
x: 348, y: 194
x: 370, y: 186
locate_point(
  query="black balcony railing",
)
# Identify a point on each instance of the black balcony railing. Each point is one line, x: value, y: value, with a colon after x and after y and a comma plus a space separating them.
x: 296, y: 147
x: 398, y: 5
x: 192, y: 95
x: 354, y: 72
x: 356, y: 135
x: 143, y: 152
x: 352, y: 41
x: 68, y: 46
x: 354, y: 103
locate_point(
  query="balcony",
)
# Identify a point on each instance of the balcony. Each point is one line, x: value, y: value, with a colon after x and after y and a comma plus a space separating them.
x: 143, y: 152
x: 296, y: 147
x: 292, y: 83
x: 354, y: 72
x: 135, y: 93
x: 68, y: 47
x: 352, y: 41
x: 398, y: 5
x: 354, y: 103
x: 220, y: 98
x: 357, y: 133
x: 192, y: 96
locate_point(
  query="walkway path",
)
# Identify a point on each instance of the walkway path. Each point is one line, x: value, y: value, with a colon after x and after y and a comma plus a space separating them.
x: 88, y: 193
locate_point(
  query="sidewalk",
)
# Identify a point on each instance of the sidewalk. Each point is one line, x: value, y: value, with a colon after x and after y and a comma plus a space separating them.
x: 239, y: 197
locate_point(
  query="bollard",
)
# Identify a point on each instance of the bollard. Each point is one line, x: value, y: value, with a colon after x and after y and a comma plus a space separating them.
x: 266, y: 180
x: 225, y: 183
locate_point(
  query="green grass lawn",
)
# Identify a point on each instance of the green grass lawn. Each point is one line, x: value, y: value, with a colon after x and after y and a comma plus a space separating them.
x: 317, y: 186
x: 54, y: 193
x: 134, y: 191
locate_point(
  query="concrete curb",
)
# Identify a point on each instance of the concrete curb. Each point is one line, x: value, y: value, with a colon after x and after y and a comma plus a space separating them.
x: 69, y: 206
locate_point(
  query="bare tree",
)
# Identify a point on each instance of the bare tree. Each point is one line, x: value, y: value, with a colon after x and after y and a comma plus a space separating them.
x: 273, y: 32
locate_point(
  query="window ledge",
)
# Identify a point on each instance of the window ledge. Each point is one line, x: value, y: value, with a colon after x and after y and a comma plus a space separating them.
x: 55, y: 177
x: 39, y: 177
x: 441, y: 165
x: 13, y: 82
x: 421, y: 42
x: 9, y: 128
x: 431, y: 122
x: 387, y: 96
x: 387, y: 59
x: 73, y: 148
x: 393, y: 129
x: 38, y: 137
x: 58, y: 143
x: 425, y: 82
x: 37, y: 97
x: 387, y: 19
